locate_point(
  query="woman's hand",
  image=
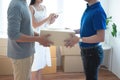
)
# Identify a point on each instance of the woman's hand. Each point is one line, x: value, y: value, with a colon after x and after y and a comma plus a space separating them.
x: 52, y: 18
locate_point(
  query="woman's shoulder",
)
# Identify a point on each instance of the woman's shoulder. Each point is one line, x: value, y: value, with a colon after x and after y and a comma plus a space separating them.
x: 31, y: 7
x: 43, y: 6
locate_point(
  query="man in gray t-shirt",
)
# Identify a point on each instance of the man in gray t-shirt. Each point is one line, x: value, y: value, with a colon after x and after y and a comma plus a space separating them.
x: 21, y: 39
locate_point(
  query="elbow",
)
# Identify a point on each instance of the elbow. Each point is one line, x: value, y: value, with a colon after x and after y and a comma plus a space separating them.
x: 13, y: 35
x: 101, y: 35
x: 102, y: 39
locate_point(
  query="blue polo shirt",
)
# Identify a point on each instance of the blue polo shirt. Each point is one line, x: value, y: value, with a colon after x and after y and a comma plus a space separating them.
x: 93, y: 19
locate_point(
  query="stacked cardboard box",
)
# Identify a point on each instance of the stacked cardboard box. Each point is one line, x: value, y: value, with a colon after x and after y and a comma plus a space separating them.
x: 5, y: 66
x: 3, y: 48
x: 5, y: 63
x: 71, y: 59
x: 52, y: 69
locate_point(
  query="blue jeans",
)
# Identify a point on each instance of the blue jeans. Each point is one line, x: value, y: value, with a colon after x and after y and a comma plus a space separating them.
x: 92, y: 58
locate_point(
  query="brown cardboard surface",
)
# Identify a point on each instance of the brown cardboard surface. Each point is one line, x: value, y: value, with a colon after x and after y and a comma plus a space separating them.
x: 5, y: 66
x: 3, y: 46
x: 72, y: 64
x: 57, y: 35
x: 53, y: 51
x: 52, y: 69
x: 70, y: 51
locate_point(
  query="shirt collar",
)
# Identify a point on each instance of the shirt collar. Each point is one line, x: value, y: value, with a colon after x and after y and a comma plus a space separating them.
x: 23, y: 0
x: 93, y: 5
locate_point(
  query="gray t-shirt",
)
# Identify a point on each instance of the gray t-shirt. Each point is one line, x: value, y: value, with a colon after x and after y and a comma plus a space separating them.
x: 19, y: 22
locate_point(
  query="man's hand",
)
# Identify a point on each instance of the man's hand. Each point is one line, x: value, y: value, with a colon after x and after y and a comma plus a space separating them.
x: 36, y: 34
x: 72, y: 41
x: 43, y: 40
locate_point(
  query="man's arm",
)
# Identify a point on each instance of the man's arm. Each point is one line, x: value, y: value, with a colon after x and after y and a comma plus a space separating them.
x: 27, y: 38
x: 41, y: 39
x: 99, y: 37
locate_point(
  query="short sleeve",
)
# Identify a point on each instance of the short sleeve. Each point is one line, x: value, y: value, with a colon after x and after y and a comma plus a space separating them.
x: 14, y: 21
x: 99, y: 20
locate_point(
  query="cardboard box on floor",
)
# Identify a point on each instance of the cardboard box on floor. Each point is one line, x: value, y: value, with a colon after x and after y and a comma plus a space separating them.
x: 52, y: 69
x: 6, y: 66
x: 3, y: 46
x: 72, y: 64
x: 71, y: 59
x: 5, y: 63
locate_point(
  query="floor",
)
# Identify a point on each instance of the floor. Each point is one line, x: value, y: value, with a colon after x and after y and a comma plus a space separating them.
x: 60, y: 75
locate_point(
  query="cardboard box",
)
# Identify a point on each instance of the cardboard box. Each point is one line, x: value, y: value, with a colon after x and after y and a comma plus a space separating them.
x: 71, y: 59
x: 53, y: 51
x: 73, y: 51
x: 57, y: 35
x: 5, y: 66
x: 3, y: 50
x: 52, y: 69
x: 3, y: 41
x: 72, y: 64
x: 3, y: 46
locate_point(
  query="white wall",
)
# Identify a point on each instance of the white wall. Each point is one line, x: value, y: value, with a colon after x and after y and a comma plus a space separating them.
x: 114, y: 11
x: 111, y: 6
x: 105, y: 5
x: 116, y: 57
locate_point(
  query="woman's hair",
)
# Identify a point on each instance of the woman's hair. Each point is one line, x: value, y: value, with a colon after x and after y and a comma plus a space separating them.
x: 32, y: 2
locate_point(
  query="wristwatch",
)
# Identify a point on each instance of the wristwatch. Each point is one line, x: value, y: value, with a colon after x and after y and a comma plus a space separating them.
x: 80, y: 40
